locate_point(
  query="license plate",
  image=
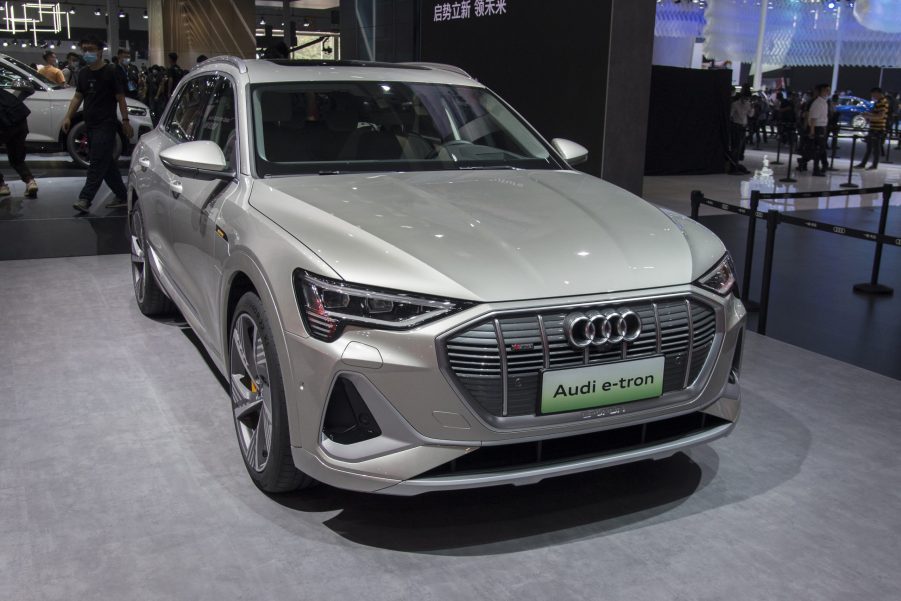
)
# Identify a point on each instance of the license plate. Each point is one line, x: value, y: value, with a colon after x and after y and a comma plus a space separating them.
x: 576, y: 388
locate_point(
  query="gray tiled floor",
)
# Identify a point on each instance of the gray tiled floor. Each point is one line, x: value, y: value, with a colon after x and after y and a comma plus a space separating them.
x: 120, y: 479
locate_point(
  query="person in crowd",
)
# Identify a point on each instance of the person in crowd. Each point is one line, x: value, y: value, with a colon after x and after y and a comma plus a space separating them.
x: 73, y: 64
x: 877, y: 117
x: 13, y: 131
x: 100, y: 87
x: 738, y: 117
x: 786, y: 114
x: 816, y: 130
x: 173, y: 75
x: 50, y: 70
x: 128, y: 72
x: 805, y: 145
x: 154, y: 99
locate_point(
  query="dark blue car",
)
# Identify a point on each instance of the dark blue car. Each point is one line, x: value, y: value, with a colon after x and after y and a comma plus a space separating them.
x: 849, y: 109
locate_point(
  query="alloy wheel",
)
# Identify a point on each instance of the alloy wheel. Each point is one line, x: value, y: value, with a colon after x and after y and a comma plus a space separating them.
x: 251, y: 392
x: 138, y: 256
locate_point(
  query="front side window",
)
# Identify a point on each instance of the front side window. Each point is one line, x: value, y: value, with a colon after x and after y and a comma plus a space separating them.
x: 374, y: 126
x: 187, y: 114
x: 219, y: 122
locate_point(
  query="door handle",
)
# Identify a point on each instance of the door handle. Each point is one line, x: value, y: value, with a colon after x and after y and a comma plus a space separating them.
x: 175, y: 186
x: 144, y: 162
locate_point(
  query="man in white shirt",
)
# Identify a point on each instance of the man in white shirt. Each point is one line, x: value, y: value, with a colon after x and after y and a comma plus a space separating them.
x: 817, y: 124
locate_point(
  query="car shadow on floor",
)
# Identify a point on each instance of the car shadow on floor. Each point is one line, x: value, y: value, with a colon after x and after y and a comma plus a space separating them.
x: 507, y: 519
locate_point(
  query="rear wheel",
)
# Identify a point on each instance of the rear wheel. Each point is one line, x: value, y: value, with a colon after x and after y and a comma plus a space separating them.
x: 152, y: 301
x: 258, y: 401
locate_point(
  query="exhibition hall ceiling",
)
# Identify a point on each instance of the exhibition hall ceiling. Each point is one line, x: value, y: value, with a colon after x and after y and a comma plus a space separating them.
x: 798, y: 32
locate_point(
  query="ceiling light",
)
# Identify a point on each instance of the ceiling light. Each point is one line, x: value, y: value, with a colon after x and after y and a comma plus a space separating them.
x: 72, y: 11
x: 145, y: 14
x: 121, y: 14
x: 97, y: 12
x: 262, y: 21
x: 306, y: 21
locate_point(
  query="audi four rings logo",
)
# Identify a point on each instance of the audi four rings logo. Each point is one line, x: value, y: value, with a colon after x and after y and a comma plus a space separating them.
x: 597, y: 328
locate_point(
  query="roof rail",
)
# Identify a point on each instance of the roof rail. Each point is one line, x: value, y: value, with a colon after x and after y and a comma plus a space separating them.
x: 441, y: 67
x: 234, y: 61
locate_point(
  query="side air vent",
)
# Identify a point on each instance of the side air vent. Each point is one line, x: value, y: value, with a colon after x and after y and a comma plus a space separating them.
x: 347, y: 418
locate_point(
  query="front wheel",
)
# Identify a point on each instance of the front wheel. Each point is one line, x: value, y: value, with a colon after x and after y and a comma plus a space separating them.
x: 258, y: 401
x: 77, y: 145
x: 859, y: 122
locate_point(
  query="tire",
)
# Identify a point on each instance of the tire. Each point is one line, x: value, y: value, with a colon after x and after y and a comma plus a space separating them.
x: 77, y: 144
x: 258, y: 401
x: 859, y: 122
x: 151, y: 299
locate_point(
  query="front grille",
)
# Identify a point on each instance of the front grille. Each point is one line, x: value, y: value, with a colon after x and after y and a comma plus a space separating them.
x: 497, y: 361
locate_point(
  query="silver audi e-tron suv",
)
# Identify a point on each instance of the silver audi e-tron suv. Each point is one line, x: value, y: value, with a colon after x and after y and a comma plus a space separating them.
x: 408, y: 289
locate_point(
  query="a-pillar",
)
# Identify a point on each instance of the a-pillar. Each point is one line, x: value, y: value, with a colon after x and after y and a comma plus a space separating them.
x: 194, y: 27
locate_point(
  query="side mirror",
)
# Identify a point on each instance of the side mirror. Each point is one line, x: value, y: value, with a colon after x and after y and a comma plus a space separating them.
x: 198, y: 158
x: 573, y: 153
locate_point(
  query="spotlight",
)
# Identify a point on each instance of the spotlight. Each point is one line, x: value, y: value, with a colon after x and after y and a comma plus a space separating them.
x: 262, y: 21
x: 97, y: 12
x: 830, y: 5
x: 306, y: 21
x: 24, y: 44
x: 145, y: 14
x: 121, y: 14
x: 73, y: 46
x: 72, y: 11
x: 5, y: 43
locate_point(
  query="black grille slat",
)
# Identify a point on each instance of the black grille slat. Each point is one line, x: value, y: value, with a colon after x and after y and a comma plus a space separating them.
x: 474, y: 355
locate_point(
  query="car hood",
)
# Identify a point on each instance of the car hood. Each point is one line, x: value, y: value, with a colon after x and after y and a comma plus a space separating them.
x: 483, y: 235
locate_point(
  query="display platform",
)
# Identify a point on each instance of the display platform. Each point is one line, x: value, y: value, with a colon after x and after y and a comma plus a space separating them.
x: 48, y: 226
x: 120, y: 478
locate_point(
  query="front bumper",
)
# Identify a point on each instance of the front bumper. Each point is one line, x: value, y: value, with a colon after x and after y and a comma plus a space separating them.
x: 427, y: 424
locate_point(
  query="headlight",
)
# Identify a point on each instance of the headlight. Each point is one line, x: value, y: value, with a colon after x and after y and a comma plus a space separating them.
x: 137, y: 111
x: 720, y: 279
x: 328, y: 305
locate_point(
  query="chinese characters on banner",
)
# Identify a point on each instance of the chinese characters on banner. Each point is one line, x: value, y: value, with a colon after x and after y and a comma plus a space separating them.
x: 465, y: 9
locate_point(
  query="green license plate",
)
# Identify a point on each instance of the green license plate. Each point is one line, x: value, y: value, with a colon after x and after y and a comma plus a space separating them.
x: 593, y: 386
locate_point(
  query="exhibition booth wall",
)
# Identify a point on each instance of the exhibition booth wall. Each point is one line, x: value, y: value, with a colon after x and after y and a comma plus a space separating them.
x: 688, y: 121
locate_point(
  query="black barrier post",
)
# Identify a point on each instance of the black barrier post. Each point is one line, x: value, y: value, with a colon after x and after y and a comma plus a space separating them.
x: 778, y: 146
x: 772, y: 220
x: 873, y: 286
x: 696, y: 196
x: 834, y: 151
x: 791, y: 150
x: 849, y: 183
x: 888, y: 148
x: 749, y: 253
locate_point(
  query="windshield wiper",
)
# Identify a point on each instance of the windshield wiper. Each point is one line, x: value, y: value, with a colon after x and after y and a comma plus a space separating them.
x: 486, y: 167
x: 329, y: 172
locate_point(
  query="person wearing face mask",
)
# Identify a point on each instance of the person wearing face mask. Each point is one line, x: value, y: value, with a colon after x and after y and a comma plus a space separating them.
x: 50, y: 70
x: 73, y: 64
x: 128, y: 72
x: 101, y: 89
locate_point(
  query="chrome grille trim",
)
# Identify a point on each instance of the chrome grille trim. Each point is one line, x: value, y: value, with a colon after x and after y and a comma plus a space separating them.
x: 657, y: 321
x: 472, y: 364
x: 544, y: 349
x: 502, y: 352
x: 691, y: 342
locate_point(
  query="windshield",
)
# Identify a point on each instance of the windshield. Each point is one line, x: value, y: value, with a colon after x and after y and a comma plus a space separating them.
x: 333, y: 127
x: 33, y: 75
